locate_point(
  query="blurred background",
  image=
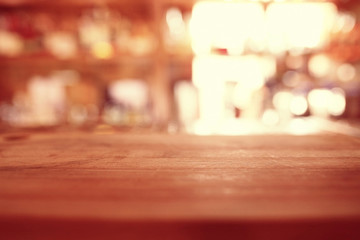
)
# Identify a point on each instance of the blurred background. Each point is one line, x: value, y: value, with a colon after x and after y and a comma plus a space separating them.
x: 198, y: 67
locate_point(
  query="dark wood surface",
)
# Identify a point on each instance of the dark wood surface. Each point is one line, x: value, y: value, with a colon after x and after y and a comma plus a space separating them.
x: 116, y: 185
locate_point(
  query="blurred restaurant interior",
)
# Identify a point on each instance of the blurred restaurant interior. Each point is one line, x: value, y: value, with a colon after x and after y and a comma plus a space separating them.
x: 199, y: 67
x: 179, y: 119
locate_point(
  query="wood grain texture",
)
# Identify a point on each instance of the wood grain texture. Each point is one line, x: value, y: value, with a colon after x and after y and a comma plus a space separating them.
x: 159, y: 186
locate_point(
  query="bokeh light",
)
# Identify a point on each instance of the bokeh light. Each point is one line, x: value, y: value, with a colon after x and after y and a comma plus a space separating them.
x: 320, y: 65
x: 346, y: 72
x: 210, y: 67
x: 298, y: 105
x: 102, y: 50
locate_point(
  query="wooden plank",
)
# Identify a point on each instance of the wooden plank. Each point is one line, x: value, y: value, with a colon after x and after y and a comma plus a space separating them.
x: 178, y: 186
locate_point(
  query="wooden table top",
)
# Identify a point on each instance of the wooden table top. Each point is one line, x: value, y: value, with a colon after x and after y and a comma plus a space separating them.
x: 79, y: 185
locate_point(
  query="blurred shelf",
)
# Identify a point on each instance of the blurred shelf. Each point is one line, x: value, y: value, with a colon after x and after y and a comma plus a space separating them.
x: 91, y: 2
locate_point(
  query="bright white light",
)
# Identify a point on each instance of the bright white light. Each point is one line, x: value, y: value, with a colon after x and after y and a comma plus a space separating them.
x: 282, y: 101
x: 211, y: 107
x: 298, y: 105
x: 270, y: 117
x: 326, y: 102
x: 319, y: 97
x: 236, y: 25
x: 210, y: 73
x: 300, y: 126
x: 337, y: 102
x: 246, y: 70
x: 299, y: 25
x: 241, y: 97
x: 346, y: 72
x: 225, y: 25
x: 268, y: 66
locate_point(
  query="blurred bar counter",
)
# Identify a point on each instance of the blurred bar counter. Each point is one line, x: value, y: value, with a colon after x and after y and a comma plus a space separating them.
x: 151, y: 185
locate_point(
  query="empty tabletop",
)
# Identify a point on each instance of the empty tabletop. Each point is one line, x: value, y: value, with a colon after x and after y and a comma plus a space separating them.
x: 134, y: 185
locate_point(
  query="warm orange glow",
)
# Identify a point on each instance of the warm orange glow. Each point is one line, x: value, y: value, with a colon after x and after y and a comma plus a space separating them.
x: 102, y: 50
x: 91, y: 32
x: 11, y: 44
